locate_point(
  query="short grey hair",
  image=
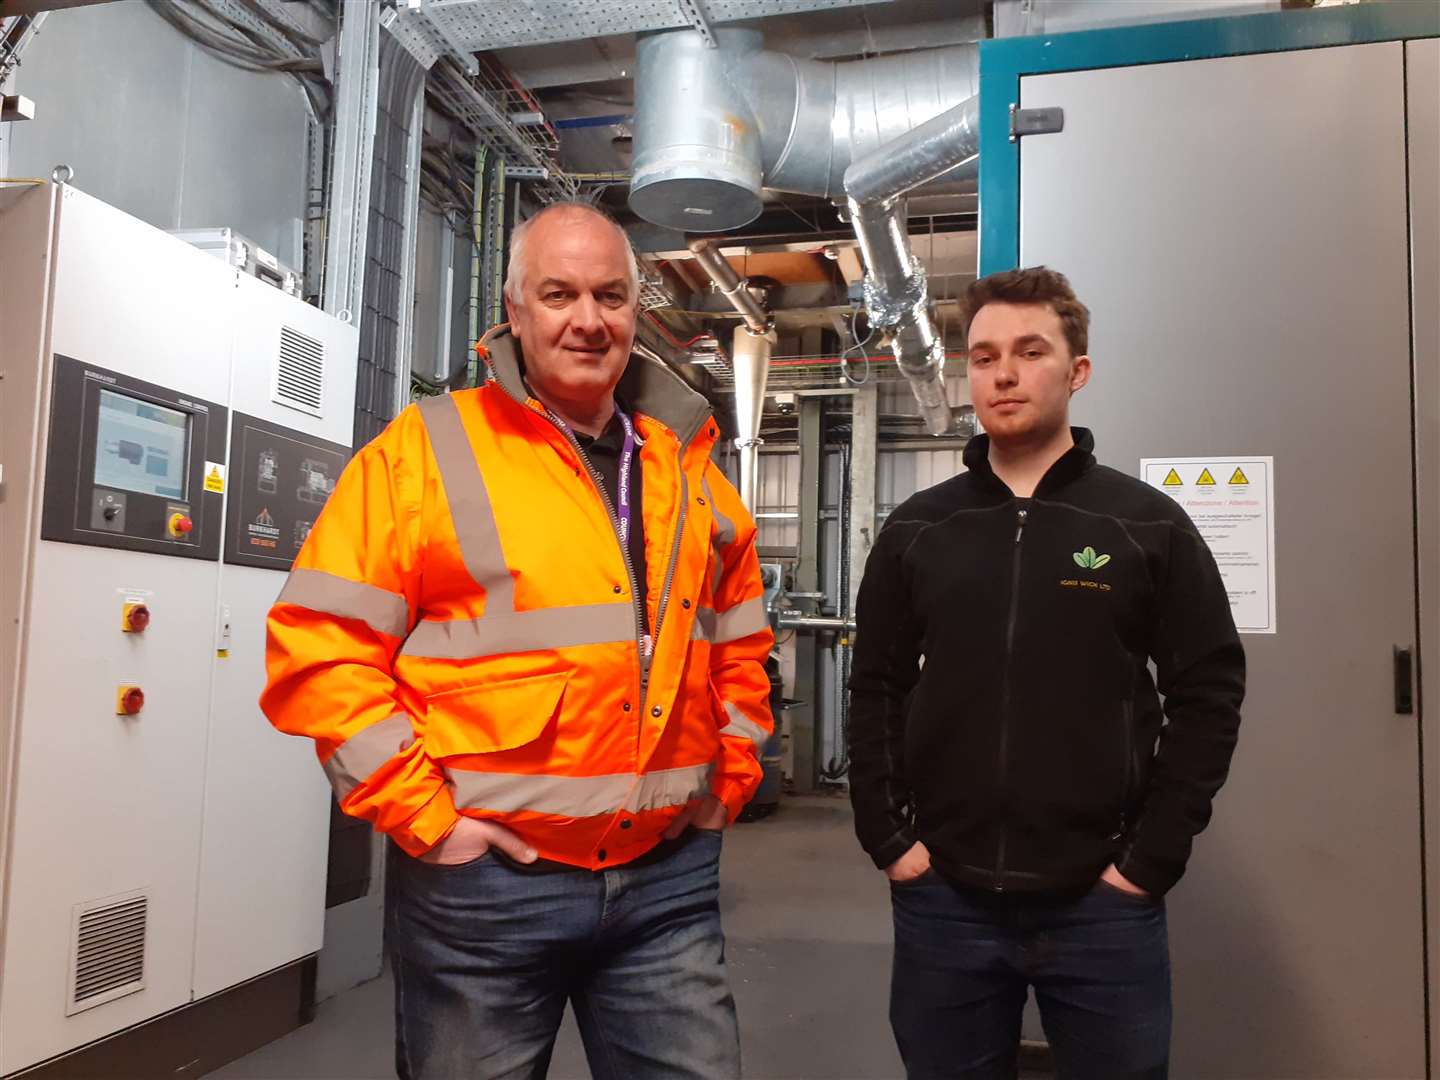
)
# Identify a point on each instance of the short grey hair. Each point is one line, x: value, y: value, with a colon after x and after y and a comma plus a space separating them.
x: 515, y: 268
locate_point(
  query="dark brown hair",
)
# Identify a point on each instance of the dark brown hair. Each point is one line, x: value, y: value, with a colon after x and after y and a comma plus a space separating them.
x: 1033, y: 285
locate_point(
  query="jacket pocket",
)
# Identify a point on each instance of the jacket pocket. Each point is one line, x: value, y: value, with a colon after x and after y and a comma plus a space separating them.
x: 493, y: 716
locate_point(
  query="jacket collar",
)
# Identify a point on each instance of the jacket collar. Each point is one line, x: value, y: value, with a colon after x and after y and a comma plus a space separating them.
x: 1071, y: 465
x: 647, y: 386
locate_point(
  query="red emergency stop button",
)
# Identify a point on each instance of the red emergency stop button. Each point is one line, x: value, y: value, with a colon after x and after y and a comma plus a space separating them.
x: 180, y: 525
x: 134, y: 617
x: 129, y: 700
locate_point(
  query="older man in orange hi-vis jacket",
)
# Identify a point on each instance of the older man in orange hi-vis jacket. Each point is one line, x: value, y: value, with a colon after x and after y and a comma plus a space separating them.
x: 527, y: 637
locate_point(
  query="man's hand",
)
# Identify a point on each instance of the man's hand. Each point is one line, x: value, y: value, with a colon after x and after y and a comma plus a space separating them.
x: 708, y: 813
x: 1113, y: 877
x: 913, y: 864
x: 472, y: 838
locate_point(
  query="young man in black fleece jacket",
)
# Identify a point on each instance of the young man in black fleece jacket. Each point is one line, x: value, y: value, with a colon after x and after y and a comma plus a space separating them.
x: 1013, y: 769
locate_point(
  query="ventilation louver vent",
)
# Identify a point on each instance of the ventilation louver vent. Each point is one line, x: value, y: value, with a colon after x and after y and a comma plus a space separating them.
x: 300, y: 372
x: 109, y: 959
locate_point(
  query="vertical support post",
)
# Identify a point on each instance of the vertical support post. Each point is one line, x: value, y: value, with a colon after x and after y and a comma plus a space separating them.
x: 864, y: 456
x: 477, y: 250
x: 405, y: 317
x: 356, y: 91
x: 446, y: 252
x: 806, y: 729
x: 495, y: 243
x: 317, y: 164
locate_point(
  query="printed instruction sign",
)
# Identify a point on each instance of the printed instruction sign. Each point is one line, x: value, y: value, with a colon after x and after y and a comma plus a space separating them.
x: 1232, y: 502
x: 282, y: 479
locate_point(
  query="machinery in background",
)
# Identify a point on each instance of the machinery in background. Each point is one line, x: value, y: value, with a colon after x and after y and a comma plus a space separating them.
x: 766, y: 799
x: 782, y: 608
x: 169, y: 428
x: 245, y: 255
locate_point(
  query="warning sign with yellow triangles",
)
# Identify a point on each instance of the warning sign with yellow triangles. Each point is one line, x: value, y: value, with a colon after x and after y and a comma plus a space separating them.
x: 215, y: 477
x: 1231, y: 501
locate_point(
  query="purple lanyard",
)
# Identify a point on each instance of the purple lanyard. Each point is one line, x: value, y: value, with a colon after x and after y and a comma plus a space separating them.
x: 622, y: 482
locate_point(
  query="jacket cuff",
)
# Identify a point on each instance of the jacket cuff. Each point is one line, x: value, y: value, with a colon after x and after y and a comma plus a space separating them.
x: 884, y: 855
x: 733, y: 794
x: 431, y: 824
x: 1155, y: 877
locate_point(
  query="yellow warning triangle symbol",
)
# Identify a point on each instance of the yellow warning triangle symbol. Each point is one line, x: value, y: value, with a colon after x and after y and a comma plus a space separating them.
x: 1206, y: 478
x: 1173, y: 479
x: 1239, y: 477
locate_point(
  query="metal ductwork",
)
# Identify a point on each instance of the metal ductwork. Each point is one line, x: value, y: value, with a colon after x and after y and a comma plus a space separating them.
x: 750, y: 359
x: 697, y: 151
x: 729, y: 284
x: 713, y: 126
x: 896, y: 296
x: 716, y: 125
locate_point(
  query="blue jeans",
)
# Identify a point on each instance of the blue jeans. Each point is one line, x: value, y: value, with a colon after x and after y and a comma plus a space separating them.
x: 1099, y: 963
x: 485, y: 958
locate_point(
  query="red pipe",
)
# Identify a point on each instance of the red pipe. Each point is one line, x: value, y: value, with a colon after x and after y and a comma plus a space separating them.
x: 830, y: 361
x: 671, y: 337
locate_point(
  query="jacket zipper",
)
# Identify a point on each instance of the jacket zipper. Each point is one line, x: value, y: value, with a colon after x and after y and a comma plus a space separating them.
x: 1021, y: 516
x: 1128, y: 710
x: 599, y: 485
x: 669, y: 573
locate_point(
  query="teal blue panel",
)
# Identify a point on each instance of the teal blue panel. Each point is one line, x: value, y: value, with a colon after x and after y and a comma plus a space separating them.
x: 1004, y: 61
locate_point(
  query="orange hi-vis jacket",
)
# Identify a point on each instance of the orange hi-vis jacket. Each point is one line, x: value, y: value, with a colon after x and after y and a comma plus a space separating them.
x: 460, y: 634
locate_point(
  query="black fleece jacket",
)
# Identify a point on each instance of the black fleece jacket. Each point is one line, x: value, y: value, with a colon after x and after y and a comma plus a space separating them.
x: 1002, y: 705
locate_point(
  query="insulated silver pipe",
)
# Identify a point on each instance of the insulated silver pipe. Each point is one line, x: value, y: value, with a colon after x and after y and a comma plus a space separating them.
x: 729, y: 283
x: 896, y: 296
x: 791, y: 621
x: 749, y: 356
x: 921, y: 155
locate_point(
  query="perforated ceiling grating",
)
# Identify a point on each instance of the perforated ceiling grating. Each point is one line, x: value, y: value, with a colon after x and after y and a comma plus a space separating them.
x: 498, y: 24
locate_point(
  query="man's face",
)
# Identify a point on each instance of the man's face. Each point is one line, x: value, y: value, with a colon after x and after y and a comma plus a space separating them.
x: 1021, y: 371
x: 575, y: 318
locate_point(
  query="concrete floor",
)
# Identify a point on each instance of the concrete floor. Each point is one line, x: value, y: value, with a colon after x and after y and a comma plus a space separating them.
x: 807, y: 920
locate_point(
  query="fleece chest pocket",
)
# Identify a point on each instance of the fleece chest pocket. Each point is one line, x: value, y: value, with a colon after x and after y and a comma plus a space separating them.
x: 492, y: 716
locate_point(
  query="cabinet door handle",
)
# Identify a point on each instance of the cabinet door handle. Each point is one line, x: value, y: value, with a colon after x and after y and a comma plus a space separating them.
x: 1404, y: 681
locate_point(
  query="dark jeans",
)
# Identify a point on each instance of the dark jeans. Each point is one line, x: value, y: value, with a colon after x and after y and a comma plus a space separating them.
x: 486, y: 956
x: 1099, y: 963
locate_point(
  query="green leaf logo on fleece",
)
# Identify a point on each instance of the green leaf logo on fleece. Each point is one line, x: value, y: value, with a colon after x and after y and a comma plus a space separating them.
x: 1088, y: 560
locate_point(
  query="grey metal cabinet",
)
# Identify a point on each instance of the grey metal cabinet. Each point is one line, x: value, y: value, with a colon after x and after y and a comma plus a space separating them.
x: 1241, y: 229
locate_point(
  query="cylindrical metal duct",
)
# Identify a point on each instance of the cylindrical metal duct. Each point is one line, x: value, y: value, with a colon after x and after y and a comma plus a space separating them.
x: 922, y: 154
x: 895, y: 288
x: 697, y: 153
x: 713, y: 125
x: 750, y: 357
